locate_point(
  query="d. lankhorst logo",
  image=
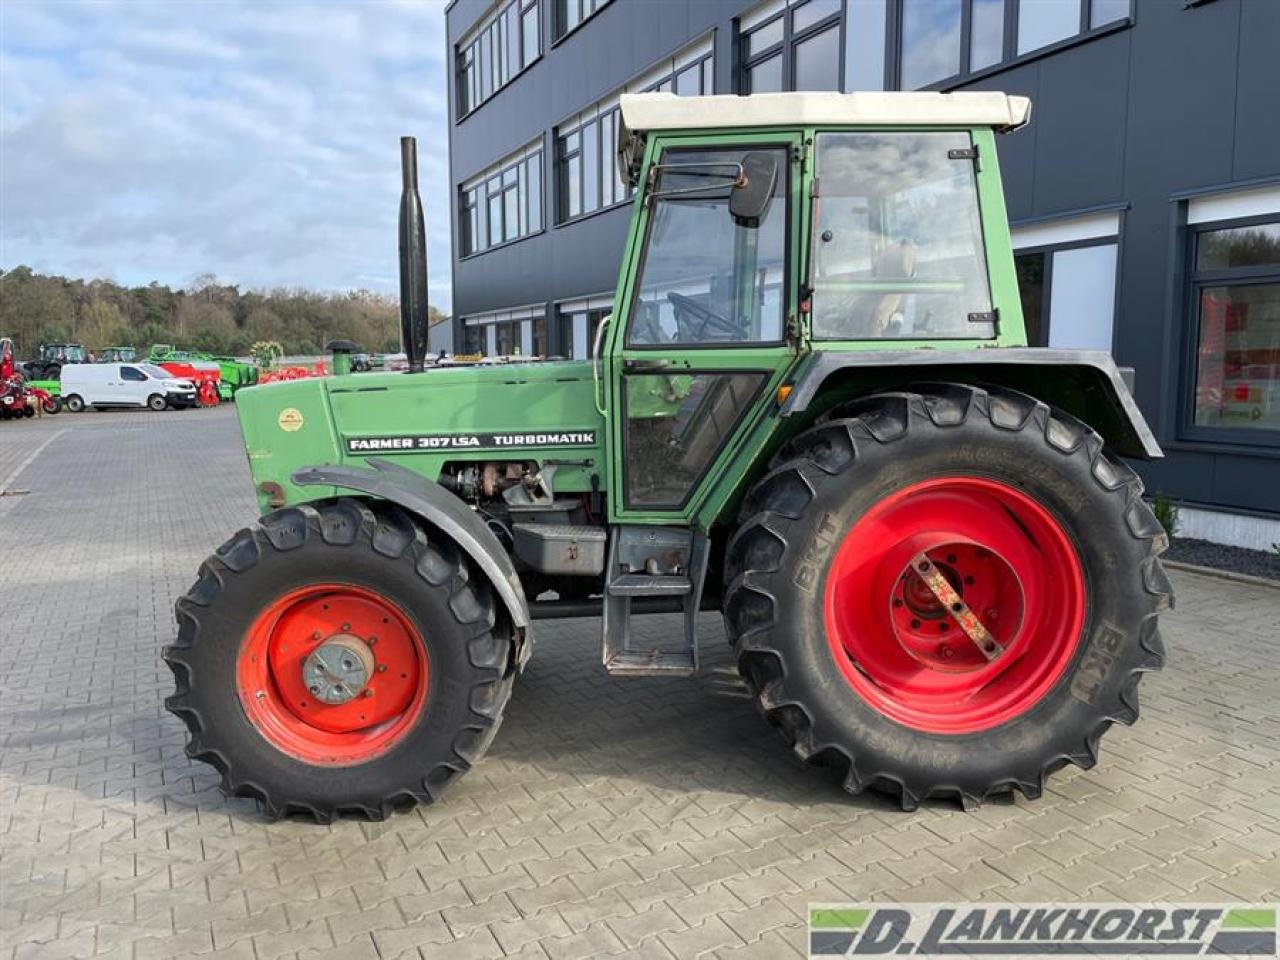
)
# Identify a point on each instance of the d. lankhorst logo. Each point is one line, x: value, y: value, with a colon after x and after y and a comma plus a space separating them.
x: 1042, y: 929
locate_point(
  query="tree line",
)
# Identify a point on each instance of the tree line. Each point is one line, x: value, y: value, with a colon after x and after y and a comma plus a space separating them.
x: 211, y: 316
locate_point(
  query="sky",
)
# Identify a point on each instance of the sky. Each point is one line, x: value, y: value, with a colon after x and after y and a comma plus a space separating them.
x: 258, y: 142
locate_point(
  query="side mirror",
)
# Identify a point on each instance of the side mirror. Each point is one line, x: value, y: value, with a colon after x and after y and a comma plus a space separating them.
x: 751, y: 196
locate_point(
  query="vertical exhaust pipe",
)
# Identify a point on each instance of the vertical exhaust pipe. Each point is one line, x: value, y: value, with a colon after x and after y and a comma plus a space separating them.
x: 413, y: 260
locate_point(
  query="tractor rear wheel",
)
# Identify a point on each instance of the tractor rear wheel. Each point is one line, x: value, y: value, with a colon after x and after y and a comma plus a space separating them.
x: 946, y: 593
x: 339, y: 659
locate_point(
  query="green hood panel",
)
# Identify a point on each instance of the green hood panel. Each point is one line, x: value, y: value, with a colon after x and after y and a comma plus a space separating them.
x: 518, y: 411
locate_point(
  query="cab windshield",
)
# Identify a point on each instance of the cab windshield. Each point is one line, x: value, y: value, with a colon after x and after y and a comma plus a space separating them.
x: 705, y: 279
x: 898, y: 245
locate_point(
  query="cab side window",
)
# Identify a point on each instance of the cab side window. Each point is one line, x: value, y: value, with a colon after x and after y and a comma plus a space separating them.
x: 132, y: 373
x: 704, y: 278
x: 899, y: 251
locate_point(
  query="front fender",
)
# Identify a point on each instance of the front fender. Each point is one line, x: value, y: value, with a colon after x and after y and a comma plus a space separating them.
x: 440, y: 508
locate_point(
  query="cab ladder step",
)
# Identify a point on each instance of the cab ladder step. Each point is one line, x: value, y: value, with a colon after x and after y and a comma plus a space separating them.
x: 652, y: 561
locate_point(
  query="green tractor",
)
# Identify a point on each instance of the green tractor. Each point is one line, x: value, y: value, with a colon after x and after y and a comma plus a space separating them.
x: 118, y: 355
x: 813, y: 409
x: 49, y: 362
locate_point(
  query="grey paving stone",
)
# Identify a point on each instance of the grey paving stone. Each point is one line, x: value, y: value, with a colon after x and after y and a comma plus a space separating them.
x: 652, y: 818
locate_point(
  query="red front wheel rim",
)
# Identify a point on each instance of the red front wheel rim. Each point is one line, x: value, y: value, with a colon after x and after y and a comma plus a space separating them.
x: 955, y: 605
x: 282, y: 683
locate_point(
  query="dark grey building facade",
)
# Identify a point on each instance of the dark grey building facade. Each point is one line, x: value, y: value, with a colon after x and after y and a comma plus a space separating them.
x: 1144, y: 196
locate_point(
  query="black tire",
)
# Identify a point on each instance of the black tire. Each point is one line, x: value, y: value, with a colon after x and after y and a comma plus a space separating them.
x: 157, y: 402
x: 74, y: 404
x: 830, y: 475
x: 384, y: 551
x: 52, y: 406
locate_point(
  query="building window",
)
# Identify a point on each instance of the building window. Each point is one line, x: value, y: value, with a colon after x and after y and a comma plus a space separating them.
x: 943, y: 40
x: 1066, y: 271
x: 503, y: 203
x: 1235, y: 303
x: 570, y: 14
x: 577, y: 322
x: 506, y: 333
x: 587, y: 176
x: 790, y: 45
x: 540, y: 345
x: 503, y: 44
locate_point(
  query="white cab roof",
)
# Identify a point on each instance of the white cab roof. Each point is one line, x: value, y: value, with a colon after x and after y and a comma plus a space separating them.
x: 666, y: 111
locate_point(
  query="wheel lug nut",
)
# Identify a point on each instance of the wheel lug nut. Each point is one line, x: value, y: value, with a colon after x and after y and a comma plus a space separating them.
x: 368, y: 692
x: 317, y: 635
x: 346, y: 628
x: 915, y: 624
x: 382, y: 668
x: 371, y: 641
x: 951, y: 558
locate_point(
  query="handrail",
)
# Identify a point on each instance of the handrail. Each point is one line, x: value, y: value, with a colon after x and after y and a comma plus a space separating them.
x: 595, y: 365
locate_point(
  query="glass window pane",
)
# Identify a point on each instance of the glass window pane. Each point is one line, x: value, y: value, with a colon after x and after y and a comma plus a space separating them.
x: 513, y: 39
x: 482, y: 221
x: 766, y: 77
x: 818, y: 61
x: 1254, y: 246
x: 570, y: 15
x: 900, y: 253
x: 1030, y: 270
x: 930, y: 41
x: 688, y: 81
x: 804, y: 17
x: 608, y: 138
x: 495, y: 219
x: 1238, y: 357
x: 1107, y: 11
x: 864, y: 45
x: 529, y: 35
x: 1082, y: 297
x: 511, y: 213
x: 522, y: 201
x: 535, y: 192
x: 573, y: 186
x: 1042, y: 22
x: 708, y: 80
x: 676, y: 424
x: 590, y: 167
x: 762, y: 38
x: 986, y: 42
x: 705, y: 279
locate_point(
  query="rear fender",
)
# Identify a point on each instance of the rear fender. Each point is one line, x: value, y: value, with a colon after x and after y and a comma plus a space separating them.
x: 1085, y: 383
x: 440, y: 508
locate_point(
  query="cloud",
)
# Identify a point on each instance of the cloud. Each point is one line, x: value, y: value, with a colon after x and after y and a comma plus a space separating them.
x: 154, y: 140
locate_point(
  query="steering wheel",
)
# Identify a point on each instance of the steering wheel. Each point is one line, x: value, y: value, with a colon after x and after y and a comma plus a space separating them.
x: 711, y: 321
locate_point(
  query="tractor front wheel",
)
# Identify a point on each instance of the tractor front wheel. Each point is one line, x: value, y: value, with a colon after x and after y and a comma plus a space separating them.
x: 339, y: 659
x: 949, y: 593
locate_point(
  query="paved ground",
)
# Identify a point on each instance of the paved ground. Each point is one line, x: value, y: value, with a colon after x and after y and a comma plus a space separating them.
x: 656, y: 817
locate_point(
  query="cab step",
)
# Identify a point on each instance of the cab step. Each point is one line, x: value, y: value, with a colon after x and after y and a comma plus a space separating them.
x: 652, y: 561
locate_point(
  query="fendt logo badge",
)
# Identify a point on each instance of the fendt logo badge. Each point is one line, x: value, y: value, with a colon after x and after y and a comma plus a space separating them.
x: 428, y: 443
x: 1042, y: 929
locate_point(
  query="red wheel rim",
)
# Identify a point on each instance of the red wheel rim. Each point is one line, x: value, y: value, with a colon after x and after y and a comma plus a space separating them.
x: 275, y: 694
x: 918, y: 658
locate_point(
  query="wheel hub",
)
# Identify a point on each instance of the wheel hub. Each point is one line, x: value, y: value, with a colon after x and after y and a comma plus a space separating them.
x: 339, y: 669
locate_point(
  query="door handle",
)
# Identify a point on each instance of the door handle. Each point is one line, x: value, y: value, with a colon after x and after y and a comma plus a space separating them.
x: 645, y: 366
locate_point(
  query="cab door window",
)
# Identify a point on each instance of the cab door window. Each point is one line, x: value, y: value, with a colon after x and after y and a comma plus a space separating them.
x: 704, y: 278
x: 132, y: 374
x: 898, y: 246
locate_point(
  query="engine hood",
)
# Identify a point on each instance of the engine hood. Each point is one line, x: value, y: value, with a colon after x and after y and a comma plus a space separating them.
x: 539, y: 411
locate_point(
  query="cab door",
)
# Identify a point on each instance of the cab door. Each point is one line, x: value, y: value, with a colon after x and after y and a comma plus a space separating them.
x: 703, y: 328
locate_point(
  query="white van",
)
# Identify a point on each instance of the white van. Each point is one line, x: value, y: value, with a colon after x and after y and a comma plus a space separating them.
x: 123, y: 385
